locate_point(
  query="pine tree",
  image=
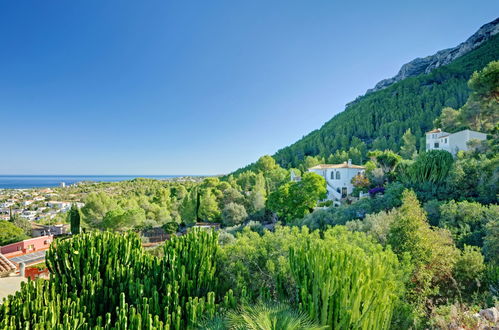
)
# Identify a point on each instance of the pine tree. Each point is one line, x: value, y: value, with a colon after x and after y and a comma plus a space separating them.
x: 408, y: 149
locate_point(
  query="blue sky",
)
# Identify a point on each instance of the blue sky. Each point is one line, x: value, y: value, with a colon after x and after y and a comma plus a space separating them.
x: 196, y: 87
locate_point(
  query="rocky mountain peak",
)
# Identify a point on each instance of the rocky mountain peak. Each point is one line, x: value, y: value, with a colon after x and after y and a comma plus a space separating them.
x: 443, y: 57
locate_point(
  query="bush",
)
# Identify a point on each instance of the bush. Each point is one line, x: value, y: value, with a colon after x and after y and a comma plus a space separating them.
x: 467, y: 220
x: 10, y: 233
x: 170, y: 227
x: 257, y: 266
x: 491, y: 241
x: 377, y: 225
x: 469, y: 270
x: 233, y: 214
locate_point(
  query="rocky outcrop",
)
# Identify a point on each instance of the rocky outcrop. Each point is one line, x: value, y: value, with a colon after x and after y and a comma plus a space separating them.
x: 443, y: 57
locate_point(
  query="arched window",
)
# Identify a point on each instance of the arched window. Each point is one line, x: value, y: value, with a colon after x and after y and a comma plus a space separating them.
x: 338, y: 175
x: 332, y: 175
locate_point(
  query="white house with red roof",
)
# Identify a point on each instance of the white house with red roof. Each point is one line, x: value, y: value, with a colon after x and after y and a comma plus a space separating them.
x: 338, y: 178
x: 440, y: 140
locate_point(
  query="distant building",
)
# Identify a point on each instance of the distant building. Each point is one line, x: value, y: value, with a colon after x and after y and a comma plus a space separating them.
x: 26, y: 246
x: 59, y: 205
x: 38, y: 230
x: 207, y: 225
x: 294, y: 177
x: 155, y: 234
x: 338, y: 178
x: 440, y: 140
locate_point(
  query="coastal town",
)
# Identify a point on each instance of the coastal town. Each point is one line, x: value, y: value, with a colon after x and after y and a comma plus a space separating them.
x: 39, y: 206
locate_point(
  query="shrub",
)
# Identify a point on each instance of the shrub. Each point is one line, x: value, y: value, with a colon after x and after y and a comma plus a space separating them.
x: 233, y: 214
x: 469, y: 269
x: 491, y: 241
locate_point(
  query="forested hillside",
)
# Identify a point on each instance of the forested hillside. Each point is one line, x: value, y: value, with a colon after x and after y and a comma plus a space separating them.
x: 379, y: 119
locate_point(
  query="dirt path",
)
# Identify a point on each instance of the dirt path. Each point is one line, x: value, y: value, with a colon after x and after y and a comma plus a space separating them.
x: 9, y: 285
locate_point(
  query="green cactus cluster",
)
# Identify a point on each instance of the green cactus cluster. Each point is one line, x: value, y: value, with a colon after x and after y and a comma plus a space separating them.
x: 106, y: 281
x: 343, y: 285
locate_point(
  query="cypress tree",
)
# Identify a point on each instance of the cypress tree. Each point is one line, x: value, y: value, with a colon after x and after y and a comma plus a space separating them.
x: 75, y: 219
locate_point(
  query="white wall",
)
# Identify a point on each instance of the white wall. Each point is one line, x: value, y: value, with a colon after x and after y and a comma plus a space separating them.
x: 455, y: 142
x: 346, y: 176
x: 459, y: 140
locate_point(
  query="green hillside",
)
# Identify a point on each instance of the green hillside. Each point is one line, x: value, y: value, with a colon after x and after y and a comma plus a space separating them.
x: 379, y: 119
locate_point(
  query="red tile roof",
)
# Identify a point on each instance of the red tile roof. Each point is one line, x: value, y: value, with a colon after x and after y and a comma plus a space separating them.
x: 6, y: 266
x: 438, y: 130
x: 342, y: 165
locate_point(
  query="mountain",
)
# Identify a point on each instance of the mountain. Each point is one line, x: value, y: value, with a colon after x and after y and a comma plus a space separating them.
x: 441, y: 58
x: 412, y: 99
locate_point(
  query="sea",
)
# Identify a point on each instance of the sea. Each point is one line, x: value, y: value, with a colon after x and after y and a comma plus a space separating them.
x: 46, y: 181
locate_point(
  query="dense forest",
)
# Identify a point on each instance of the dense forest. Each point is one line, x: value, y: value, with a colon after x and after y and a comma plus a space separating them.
x: 378, y: 120
x: 419, y: 250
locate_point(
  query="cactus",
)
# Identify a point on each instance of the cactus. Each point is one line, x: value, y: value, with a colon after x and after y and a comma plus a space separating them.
x: 105, y: 280
x: 344, y: 286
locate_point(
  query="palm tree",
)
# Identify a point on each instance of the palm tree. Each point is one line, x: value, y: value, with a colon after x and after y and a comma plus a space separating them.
x: 264, y: 317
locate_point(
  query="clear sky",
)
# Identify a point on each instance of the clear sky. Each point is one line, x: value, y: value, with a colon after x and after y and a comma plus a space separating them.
x: 196, y: 87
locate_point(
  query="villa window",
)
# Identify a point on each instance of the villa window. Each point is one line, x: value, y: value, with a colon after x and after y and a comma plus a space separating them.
x: 332, y: 175
x: 445, y: 140
x: 338, y: 176
x: 436, y: 145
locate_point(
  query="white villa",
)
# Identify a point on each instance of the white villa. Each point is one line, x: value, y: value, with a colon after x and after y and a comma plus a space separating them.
x: 440, y: 140
x: 338, y: 178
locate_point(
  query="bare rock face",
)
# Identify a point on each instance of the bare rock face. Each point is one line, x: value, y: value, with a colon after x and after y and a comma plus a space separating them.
x: 490, y: 314
x: 443, y: 57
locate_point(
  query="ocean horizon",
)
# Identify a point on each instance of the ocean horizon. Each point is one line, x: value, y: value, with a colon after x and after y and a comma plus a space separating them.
x: 47, y: 181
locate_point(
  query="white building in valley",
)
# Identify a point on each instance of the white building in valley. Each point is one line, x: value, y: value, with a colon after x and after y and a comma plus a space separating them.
x: 440, y: 140
x: 338, y: 178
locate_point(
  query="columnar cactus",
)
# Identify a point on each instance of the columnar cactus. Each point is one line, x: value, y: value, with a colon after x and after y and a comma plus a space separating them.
x: 106, y: 281
x: 343, y: 286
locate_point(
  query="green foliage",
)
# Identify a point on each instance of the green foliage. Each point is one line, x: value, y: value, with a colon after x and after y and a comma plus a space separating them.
x: 481, y: 111
x: 96, y: 207
x: 189, y: 207
x: 208, y: 206
x: 257, y: 266
x: 380, y: 119
x: 10, y: 233
x: 469, y: 269
x: 432, y: 252
x: 170, y: 227
x: 74, y: 216
x: 431, y: 167
x: 387, y: 160
x: 119, y: 219
x: 105, y: 280
x: 346, y: 281
x: 408, y: 148
x: 269, y: 317
x: 467, y: 220
x: 376, y: 225
x: 294, y: 200
x: 22, y: 223
x: 233, y: 214
x: 491, y: 241
x: 320, y: 219
x: 475, y: 177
